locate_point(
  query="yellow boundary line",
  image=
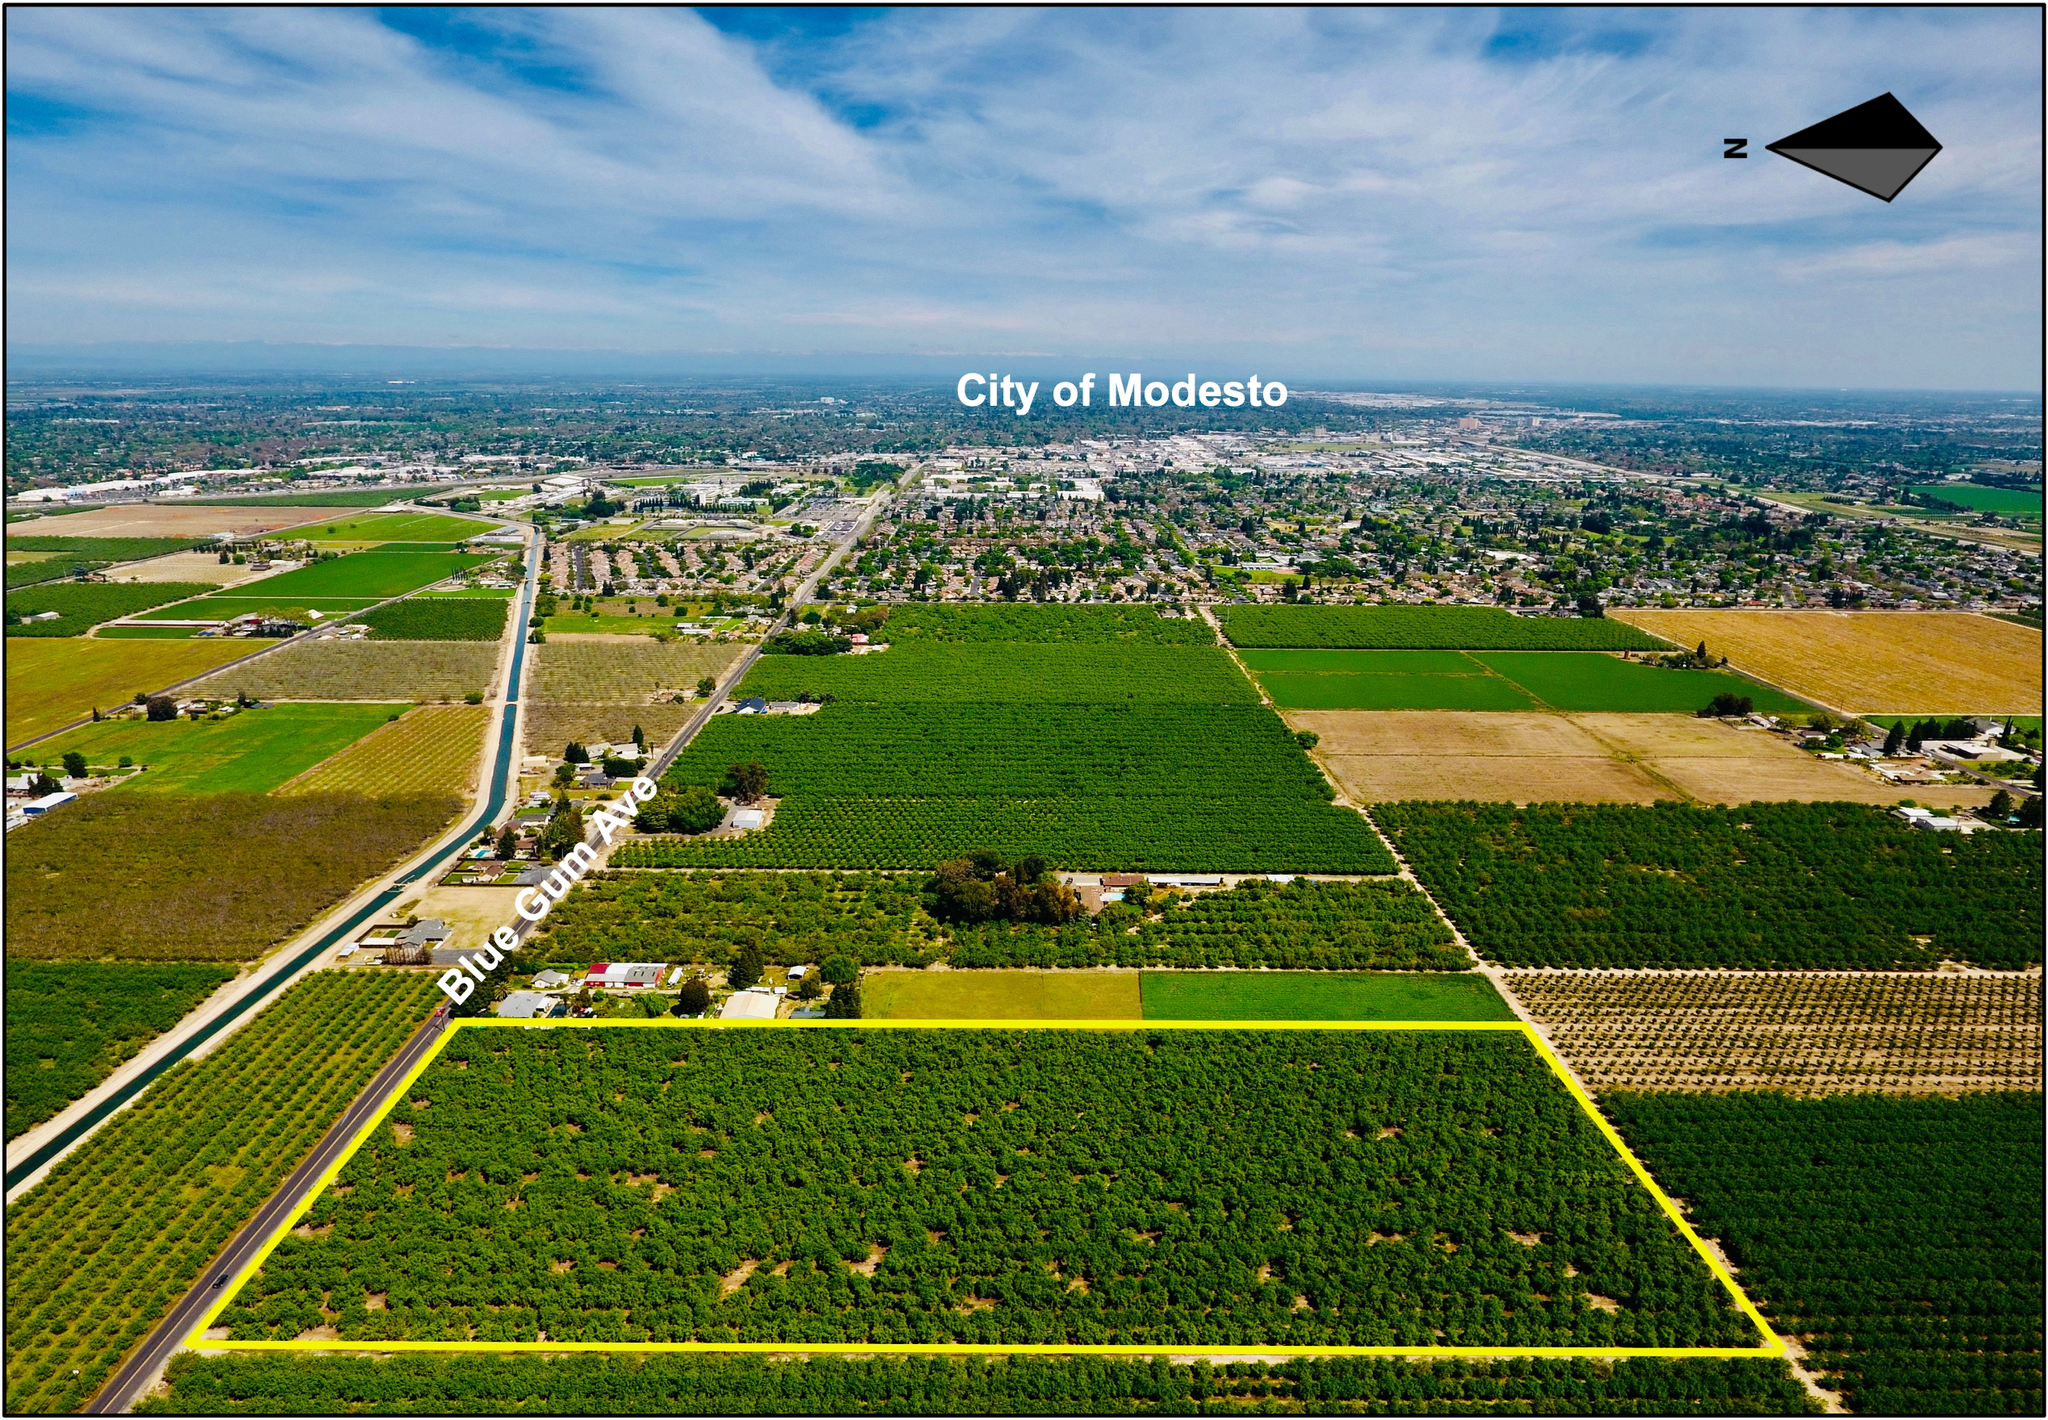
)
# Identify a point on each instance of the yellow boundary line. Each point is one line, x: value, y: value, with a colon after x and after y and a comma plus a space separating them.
x: 1771, y: 1345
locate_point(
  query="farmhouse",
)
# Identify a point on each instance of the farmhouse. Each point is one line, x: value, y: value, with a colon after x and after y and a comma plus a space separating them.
x: 625, y: 973
x: 531, y: 1005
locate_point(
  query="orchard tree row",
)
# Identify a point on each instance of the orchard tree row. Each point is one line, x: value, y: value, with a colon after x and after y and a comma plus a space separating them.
x: 1768, y: 886
x: 1041, y: 1186
x: 885, y: 919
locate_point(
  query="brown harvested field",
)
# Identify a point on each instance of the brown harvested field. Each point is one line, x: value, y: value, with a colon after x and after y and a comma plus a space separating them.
x: 1807, y: 1033
x: 625, y: 670
x: 363, y: 670
x: 172, y: 520
x: 54, y: 680
x: 550, y: 728
x: 183, y: 567
x: 1383, y: 756
x: 1872, y: 662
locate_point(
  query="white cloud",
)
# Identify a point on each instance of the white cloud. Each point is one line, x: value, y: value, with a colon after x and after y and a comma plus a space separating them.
x: 1350, y: 192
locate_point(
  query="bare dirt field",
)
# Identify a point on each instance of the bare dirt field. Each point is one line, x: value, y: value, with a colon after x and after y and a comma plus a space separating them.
x: 184, y: 567
x: 171, y: 520
x: 1385, y: 756
x: 472, y: 913
x: 1872, y: 662
x: 363, y: 670
x: 550, y: 728
x: 1805, y: 1033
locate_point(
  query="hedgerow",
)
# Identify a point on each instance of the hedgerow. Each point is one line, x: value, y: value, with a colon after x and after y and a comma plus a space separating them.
x: 1034, y: 1186
x: 120, y: 1227
x: 1766, y: 886
x: 438, y: 619
x: 69, y: 1025
x: 879, y: 919
x: 1899, y: 1238
x: 1016, y: 622
x: 1141, y: 786
x: 1459, y: 628
x: 961, y: 1385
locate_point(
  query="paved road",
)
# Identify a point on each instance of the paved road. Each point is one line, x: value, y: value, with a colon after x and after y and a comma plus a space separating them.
x: 260, y: 989
x: 141, y: 1368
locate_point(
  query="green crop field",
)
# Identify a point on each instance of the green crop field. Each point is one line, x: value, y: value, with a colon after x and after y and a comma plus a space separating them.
x: 438, y: 619
x: 101, y: 1247
x: 199, y: 877
x: 226, y: 608
x: 334, y: 498
x: 1464, y: 628
x: 1496, y: 680
x: 1320, y: 996
x: 712, y: 1384
x: 397, y: 527
x: 1898, y: 1239
x: 151, y: 633
x: 371, y: 574
x: 1000, y: 995
x: 475, y: 593
x: 70, y: 1024
x: 1036, y: 1186
x: 1098, y: 625
x: 84, y: 605
x: 2014, y: 502
x: 51, y: 683
x: 250, y: 751
x: 1180, y: 787
x: 878, y: 919
x: 1783, y: 886
x: 942, y: 672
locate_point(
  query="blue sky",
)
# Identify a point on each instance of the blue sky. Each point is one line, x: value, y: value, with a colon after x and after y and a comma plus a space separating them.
x: 1322, y: 194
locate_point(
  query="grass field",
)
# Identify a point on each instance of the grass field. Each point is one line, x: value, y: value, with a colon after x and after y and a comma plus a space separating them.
x: 1000, y: 995
x: 252, y: 751
x: 620, y: 670
x: 1389, y: 756
x: 2013, y: 502
x: 1874, y: 662
x: 363, y: 670
x: 468, y: 593
x: 100, y: 549
x: 1470, y: 628
x: 397, y: 527
x: 1493, y: 680
x: 372, y: 574
x: 83, y: 605
x: 70, y: 1024
x: 431, y: 749
x: 50, y: 683
x: 148, y: 633
x: 227, y: 606
x: 1320, y: 996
